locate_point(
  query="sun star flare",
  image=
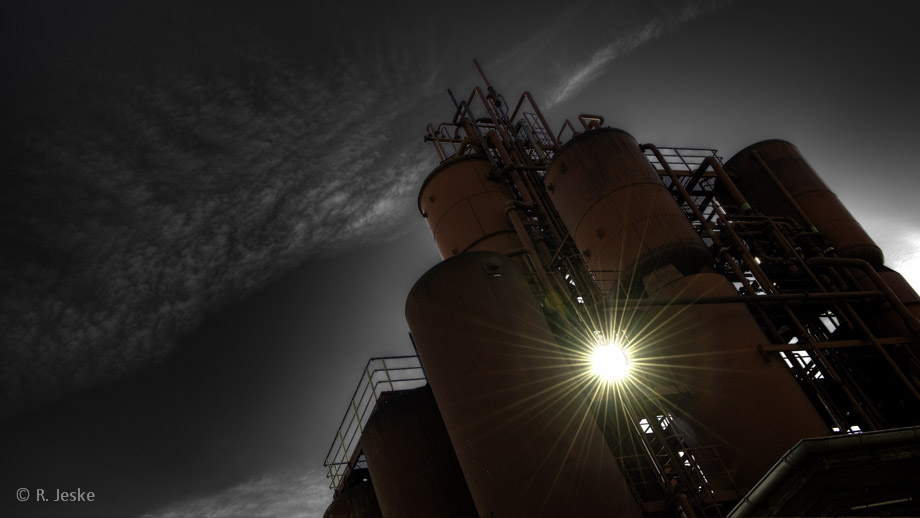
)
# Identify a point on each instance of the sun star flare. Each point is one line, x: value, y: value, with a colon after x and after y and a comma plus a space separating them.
x: 610, y: 363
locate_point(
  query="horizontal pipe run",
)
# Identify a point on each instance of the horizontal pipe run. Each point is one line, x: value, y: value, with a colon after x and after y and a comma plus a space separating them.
x: 678, y: 172
x: 759, y: 299
x: 837, y: 344
x: 797, y: 457
x: 913, y: 323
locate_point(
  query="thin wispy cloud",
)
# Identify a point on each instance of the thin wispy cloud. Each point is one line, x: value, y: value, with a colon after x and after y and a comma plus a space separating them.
x: 289, y: 494
x: 625, y: 36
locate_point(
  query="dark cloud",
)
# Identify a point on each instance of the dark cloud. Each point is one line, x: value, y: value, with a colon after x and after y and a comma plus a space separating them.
x: 169, y: 173
x: 164, y: 160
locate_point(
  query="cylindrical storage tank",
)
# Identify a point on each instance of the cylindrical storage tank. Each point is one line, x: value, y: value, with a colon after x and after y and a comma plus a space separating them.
x: 620, y: 215
x: 526, y: 443
x: 806, y: 188
x: 411, y: 460
x: 465, y: 210
x: 750, y: 408
x: 883, y: 319
x: 902, y: 290
x: 891, y: 322
x: 354, y: 501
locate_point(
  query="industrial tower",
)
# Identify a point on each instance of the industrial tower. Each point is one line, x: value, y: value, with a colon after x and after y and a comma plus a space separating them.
x: 630, y: 330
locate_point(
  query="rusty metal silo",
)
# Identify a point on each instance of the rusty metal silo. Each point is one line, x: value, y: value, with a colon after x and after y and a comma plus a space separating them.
x: 736, y: 396
x: 777, y: 181
x: 356, y: 500
x: 526, y: 444
x: 759, y: 313
x: 902, y: 290
x: 899, y: 311
x: 621, y: 216
x: 411, y: 460
x: 900, y: 316
x: 465, y: 210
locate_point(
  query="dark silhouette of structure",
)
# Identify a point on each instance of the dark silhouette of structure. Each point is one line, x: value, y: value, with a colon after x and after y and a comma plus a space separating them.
x: 773, y: 358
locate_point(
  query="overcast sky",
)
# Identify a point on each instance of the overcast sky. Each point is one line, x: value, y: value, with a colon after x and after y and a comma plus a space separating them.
x: 208, y: 215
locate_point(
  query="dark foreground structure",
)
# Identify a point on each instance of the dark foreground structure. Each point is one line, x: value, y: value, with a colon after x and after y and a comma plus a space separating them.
x: 768, y: 360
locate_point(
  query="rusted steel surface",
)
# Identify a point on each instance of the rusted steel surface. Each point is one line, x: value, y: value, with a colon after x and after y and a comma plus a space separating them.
x: 903, y: 291
x: 355, y: 501
x: 750, y: 406
x: 622, y: 218
x: 526, y: 444
x: 411, y: 460
x: 465, y: 210
x: 887, y: 317
x: 799, y: 193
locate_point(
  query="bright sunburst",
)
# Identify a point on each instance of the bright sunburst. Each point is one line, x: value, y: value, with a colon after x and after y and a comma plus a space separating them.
x: 610, y: 363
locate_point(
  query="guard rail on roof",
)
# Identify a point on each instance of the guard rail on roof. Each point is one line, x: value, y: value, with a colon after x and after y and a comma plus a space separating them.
x: 681, y: 159
x: 380, y: 375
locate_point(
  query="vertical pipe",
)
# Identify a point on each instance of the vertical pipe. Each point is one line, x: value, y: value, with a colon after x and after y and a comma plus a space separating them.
x: 753, y: 409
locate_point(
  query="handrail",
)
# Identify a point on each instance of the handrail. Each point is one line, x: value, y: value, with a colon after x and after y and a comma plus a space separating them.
x: 533, y: 104
x: 397, y: 373
x: 686, y: 159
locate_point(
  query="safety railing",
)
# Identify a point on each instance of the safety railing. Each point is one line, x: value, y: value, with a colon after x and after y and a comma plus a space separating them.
x: 380, y: 375
x: 681, y: 159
